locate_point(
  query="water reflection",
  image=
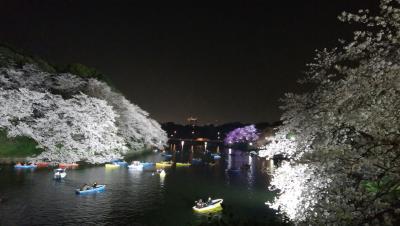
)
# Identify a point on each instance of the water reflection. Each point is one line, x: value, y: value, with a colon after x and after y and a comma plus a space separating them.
x: 162, y: 178
x: 134, y: 197
x: 250, y: 173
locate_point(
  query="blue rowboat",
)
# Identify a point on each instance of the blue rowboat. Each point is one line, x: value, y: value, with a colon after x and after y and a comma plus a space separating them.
x: 99, y: 188
x: 25, y: 166
x: 196, y: 161
x: 216, y: 157
x: 120, y: 163
x: 148, y: 165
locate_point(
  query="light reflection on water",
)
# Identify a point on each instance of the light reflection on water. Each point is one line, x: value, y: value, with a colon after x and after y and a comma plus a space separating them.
x: 143, y: 198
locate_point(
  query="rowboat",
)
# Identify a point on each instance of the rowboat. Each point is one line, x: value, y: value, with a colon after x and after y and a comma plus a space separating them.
x: 68, y: 165
x: 163, y: 164
x: 25, y: 166
x: 98, y: 188
x: 120, y: 162
x: 148, y: 165
x: 112, y: 166
x: 42, y: 164
x: 215, y: 205
x: 181, y: 164
x: 60, y: 174
x: 136, y: 165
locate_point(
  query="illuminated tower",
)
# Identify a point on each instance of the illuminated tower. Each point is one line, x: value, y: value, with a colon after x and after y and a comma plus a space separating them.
x: 192, y: 121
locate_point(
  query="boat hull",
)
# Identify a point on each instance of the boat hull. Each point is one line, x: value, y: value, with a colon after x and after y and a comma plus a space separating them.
x: 123, y: 163
x: 68, y: 165
x: 99, y: 188
x: 210, y: 208
x: 58, y: 176
x: 163, y: 164
x: 180, y: 164
x: 25, y: 167
x: 148, y: 165
x: 112, y: 166
x: 136, y: 167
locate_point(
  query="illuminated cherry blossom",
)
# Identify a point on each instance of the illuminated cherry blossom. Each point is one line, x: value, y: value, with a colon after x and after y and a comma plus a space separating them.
x: 342, y: 139
x: 242, y: 135
x: 73, y: 118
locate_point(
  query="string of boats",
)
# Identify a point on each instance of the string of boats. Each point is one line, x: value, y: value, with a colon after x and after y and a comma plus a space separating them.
x: 212, y: 205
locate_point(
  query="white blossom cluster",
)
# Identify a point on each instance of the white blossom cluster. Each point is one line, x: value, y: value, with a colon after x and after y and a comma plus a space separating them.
x: 279, y: 144
x: 343, y: 138
x: 72, y: 118
x: 134, y: 124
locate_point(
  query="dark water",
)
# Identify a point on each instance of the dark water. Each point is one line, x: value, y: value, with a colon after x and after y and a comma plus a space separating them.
x: 32, y: 197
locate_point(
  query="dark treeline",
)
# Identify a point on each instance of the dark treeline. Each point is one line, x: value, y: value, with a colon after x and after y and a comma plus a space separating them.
x: 209, y: 131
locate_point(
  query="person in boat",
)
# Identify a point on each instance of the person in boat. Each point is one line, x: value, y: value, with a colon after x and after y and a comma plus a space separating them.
x: 209, y: 201
x: 94, y: 184
x: 19, y: 164
x: 199, y: 203
x: 85, y: 187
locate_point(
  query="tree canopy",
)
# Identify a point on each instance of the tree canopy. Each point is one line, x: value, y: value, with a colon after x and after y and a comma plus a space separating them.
x: 343, y: 138
x: 72, y: 118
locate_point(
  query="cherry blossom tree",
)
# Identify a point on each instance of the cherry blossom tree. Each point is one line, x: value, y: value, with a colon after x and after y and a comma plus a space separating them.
x: 72, y: 118
x: 242, y: 135
x: 343, y: 138
x: 135, y: 126
x: 78, y: 129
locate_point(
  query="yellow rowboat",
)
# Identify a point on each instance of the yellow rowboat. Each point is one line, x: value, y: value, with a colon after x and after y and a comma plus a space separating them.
x: 180, y: 164
x: 214, y: 206
x: 112, y: 166
x: 163, y: 164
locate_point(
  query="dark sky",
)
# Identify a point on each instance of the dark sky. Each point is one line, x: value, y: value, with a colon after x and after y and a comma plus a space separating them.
x: 218, y: 62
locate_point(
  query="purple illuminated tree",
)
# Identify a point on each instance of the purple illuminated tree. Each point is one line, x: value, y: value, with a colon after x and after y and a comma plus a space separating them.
x: 242, y: 135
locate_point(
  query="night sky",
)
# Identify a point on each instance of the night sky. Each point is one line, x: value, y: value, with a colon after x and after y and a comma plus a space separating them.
x: 218, y: 62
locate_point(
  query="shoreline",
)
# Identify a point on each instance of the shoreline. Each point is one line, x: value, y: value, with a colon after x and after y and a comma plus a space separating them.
x: 128, y: 157
x: 12, y: 160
